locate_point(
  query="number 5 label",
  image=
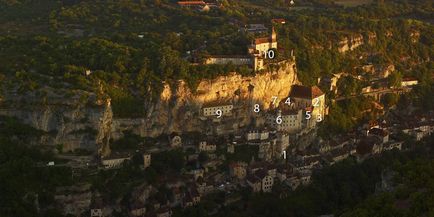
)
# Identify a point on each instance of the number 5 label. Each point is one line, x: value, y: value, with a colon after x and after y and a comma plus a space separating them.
x: 308, y: 115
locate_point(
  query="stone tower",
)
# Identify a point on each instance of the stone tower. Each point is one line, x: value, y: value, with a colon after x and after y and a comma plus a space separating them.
x: 273, y: 35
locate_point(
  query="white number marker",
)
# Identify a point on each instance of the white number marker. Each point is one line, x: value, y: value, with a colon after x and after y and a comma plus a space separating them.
x: 316, y: 102
x: 279, y: 119
x: 308, y: 115
x: 274, y: 99
x: 319, y: 118
x: 256, y: 108
x: 288, y: 101
x: 219, y: 113
x: 269, y: 54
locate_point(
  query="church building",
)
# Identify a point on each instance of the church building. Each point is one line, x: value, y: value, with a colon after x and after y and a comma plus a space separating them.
x: 262, y: 45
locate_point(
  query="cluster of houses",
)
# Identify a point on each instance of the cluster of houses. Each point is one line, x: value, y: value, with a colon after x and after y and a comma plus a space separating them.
x: 418, y: 126
x: 377, y: 80
x: 278, y: 161
x: 299, y: 112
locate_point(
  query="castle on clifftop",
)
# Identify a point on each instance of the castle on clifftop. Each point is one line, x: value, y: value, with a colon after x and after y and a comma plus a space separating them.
x: 255, y: 57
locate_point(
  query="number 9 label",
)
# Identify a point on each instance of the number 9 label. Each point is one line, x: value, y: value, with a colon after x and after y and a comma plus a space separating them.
x: 219, y: 113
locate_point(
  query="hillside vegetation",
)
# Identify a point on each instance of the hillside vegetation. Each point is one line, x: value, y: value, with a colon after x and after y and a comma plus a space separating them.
x: 131, y: 47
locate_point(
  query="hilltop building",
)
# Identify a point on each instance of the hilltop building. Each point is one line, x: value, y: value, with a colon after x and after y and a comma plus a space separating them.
x: 261, y: 45
x: 255, y: 57
x: 255, y: 28
x: 198, y: 5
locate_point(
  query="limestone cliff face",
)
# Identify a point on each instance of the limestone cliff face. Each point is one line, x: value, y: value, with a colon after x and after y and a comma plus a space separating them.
x: 76, y: 119
x: 350, y: 43
x: 72, y: 119
x: 178, y: 109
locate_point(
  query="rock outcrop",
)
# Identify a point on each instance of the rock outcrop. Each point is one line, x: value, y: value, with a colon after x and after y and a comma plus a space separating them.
x: 350, y: 43
x: 76, y: 119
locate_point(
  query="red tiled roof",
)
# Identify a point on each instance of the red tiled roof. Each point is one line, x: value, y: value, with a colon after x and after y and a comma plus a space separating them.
x: 409, y: 79
x: 191, y: 3
x: 278, y: 20
x: 262, y: 40
x: 299, y: 91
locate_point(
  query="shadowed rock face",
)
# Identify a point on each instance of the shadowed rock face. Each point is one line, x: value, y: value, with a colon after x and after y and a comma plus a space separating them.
x: 89, y: 123
x: 75, y: 120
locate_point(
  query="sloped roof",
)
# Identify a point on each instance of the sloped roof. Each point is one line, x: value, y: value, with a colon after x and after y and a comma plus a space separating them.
x: 299, y: 91
x: 191, y: 3
x: 253, y: 179
x: 262, y: 40
x: 261, y: 174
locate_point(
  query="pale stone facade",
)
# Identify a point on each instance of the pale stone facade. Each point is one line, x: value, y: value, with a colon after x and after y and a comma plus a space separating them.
x: 114, y: 162
x: 146, y: 160
x: 235, y: 60
x: 291, y: 121
x: 257, y: 135
x: 262, y: 45
x: 204, y: 146
x: 212, y: 110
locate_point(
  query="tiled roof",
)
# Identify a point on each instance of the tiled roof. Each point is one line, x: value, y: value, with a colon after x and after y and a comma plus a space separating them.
x: 262, y: 40
x: 278, y: 20
x: 261, y: 174
x: 216, y: 103
x: 191, y: 3
x: 304, y: 92
x: 253, y: 179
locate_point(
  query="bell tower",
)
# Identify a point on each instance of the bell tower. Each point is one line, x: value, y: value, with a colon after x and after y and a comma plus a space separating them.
x: 273, y: 35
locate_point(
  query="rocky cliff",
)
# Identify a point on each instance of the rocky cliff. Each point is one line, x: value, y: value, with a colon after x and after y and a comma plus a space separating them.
x: 79, y: 120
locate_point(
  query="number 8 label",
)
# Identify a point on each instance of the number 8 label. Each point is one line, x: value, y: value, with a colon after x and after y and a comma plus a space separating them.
x: 256, y: 108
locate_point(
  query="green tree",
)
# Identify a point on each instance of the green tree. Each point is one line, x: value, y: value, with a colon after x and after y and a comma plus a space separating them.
x: 395, y: 79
